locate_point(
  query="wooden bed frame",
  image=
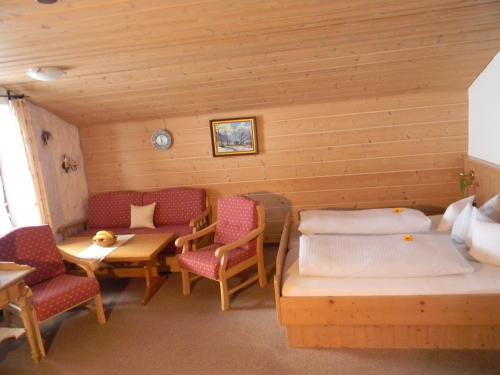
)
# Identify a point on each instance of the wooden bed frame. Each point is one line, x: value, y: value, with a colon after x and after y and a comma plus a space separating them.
x: 430, y: 322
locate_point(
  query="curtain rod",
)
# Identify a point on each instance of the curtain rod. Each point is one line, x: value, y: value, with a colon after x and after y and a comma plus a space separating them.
x: 11, y: 96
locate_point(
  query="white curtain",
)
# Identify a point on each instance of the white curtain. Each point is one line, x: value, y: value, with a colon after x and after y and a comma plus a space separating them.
x: 5, y: 222
x: 19, y: 182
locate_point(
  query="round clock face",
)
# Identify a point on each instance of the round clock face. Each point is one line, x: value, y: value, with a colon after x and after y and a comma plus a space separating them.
x: 161, y: 140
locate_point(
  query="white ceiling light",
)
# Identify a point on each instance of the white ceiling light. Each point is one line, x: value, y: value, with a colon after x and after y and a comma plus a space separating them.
x: 45, y: 73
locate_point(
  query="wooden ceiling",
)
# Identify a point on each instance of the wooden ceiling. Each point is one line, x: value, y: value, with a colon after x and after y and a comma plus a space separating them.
x: 129, y: 60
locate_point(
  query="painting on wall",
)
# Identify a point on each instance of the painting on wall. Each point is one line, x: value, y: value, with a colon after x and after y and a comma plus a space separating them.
x: 232, y: 137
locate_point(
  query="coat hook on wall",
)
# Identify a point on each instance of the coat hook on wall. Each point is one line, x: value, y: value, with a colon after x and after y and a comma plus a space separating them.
x: 46, y: 135
x: 68, y: 164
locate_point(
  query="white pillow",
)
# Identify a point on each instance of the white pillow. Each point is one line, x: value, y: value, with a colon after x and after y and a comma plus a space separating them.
x: 142, y: 216
x: 451, y: 213
x: 371, y: 221
x: 492, y: 208
x: 476, y: 216
x: 486, y: 242
x: 461, y: 224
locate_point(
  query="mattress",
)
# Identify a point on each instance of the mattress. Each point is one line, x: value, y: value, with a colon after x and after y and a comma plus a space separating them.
x: 484, y: 280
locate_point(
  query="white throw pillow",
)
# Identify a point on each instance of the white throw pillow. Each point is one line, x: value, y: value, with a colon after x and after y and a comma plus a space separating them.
x: 451, y: 213
x: 461, y: 224
x: 142, y: 216
x: 486, y: 242
x: 476, y: 216
x: 492, y: 208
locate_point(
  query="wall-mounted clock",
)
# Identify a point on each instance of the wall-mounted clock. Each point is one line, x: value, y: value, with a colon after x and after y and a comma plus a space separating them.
x: 161, y: 140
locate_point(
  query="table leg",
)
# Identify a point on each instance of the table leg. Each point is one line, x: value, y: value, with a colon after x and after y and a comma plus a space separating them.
x: 30, y: 325
x: 153, y: 281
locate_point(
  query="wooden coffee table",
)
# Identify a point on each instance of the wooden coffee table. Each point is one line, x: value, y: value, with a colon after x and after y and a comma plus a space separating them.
x: 135, y: 258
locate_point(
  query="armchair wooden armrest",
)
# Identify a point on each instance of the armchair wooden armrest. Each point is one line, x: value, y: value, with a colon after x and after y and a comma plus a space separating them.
x: 189, y: 237
x: 89, y: 266
x: 219, y: 252
x: 63, y: 230
x: 201, y: 220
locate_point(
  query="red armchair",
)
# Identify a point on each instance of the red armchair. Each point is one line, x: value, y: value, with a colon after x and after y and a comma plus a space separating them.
x: 238, y: 245
x: 54, y: 291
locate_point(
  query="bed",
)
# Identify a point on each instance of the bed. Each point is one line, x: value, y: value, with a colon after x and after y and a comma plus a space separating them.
x: 453, y: 312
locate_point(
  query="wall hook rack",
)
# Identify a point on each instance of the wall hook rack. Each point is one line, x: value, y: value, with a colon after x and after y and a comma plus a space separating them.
x: 68, y: 164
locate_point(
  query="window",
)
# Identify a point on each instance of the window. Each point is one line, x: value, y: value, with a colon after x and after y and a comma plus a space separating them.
x: 5, y: 223
x: 18, y: 200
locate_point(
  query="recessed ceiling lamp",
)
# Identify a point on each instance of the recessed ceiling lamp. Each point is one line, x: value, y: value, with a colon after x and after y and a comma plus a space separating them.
x: 46, y: 1
x: 49, y: 73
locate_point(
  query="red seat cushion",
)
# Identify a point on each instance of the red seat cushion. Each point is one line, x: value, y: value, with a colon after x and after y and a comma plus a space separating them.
x: 176, y: 205
x: 112, y: 210
x: 204, y: 262
x: 34, y: 246
x: 236, y: 217
x: 62, y: 292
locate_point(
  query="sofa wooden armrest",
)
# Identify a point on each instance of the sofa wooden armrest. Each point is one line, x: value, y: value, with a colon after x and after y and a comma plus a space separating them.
x: 181, y: 241
x: 64, y: 230
x: 201, y: 221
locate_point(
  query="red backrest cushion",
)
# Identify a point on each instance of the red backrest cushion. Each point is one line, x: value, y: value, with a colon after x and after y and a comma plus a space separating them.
x: 176, y: 205
x: 8, y: 247
x: 236, y: 217
x: 36, y: 247
x: 112, y: 209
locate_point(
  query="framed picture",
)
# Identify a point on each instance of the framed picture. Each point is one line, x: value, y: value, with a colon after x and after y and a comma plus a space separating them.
x: 237, y: 136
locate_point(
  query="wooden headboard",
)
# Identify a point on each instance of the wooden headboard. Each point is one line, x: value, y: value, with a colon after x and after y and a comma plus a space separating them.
x: 486, y: 181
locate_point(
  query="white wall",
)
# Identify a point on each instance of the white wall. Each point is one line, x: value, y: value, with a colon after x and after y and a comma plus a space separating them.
x: 67, y: 193
x: 484, y: 114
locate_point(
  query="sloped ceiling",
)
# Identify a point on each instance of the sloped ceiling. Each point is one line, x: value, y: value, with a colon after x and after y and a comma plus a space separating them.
x: 129, y: 60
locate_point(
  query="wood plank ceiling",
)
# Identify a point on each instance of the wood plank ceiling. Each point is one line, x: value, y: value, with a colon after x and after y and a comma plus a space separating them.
x: 130, y: 60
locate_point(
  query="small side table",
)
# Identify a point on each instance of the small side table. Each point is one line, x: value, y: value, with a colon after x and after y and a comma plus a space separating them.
x: 14, y: 290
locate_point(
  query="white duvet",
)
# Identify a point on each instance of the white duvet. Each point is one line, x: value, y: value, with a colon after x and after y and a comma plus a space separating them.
x: 421, y: 255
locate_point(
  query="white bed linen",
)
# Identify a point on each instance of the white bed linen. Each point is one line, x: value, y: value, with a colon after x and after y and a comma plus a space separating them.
x: 393, y: 255
x: 369, y: 221
x: 435, y: 220
x: 484, y: 280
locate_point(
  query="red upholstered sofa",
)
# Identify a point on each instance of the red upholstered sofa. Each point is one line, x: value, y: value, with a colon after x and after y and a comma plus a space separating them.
x: 178, y: 210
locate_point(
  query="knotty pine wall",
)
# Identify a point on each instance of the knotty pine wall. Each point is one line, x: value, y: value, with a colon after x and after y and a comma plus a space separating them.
x: 404, y: 150
x: 486, y: 181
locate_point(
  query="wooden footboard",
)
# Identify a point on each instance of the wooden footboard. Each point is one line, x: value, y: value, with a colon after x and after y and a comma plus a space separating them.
x: 458, y: 322
x: 423, y: 322
x: 394, y: 337
x: 280, y: 264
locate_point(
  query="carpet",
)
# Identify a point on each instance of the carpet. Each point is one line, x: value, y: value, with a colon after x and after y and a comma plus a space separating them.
x: 174, y: 334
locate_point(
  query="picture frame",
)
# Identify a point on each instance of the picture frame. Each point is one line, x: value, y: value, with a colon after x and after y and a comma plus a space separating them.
x: 234, y: 136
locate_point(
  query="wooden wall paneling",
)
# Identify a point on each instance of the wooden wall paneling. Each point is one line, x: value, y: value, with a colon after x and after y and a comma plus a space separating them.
x: 402, y: 150
x: 487, y: 179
